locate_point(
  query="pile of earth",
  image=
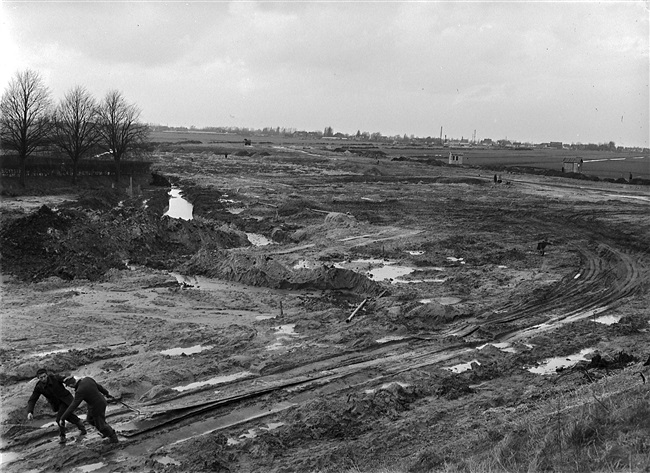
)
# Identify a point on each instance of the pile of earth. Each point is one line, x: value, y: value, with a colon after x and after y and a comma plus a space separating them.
x: 263, y: 270
x: 72, y: 243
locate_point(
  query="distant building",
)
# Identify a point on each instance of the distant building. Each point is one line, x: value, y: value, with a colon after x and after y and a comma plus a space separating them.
x: 456, y: 158
x: 555, y: 144
x: 572, y: 164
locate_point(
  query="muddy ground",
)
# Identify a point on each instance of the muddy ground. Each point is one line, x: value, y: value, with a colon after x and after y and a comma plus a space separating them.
x: 321, y: 311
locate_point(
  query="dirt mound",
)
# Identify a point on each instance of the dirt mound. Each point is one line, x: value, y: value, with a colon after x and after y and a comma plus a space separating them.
x: 64, y: 244
x: 426, y: 316
x: 295, y: 205
x: 262, y: 270
x: 105, y: 199
x: 73, y: 244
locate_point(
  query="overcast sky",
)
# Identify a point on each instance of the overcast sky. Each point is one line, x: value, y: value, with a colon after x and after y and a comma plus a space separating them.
x: 529, y: 71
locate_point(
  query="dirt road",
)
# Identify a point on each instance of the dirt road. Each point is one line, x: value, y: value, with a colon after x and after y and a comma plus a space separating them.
x: 237, y: 357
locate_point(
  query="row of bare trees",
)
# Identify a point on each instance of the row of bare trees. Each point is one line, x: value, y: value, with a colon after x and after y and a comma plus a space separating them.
x: 77, y: 125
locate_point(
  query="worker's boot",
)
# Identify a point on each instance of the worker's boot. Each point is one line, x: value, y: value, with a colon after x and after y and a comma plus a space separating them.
x: 82, y: 429
x: 62, y: 439
x: 110, y: 434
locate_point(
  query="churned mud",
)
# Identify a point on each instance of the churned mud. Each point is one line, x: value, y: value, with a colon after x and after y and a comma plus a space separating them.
x: 307, y: 310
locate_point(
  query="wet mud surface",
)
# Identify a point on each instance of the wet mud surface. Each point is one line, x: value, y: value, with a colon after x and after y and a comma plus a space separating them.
x: 319, y: 312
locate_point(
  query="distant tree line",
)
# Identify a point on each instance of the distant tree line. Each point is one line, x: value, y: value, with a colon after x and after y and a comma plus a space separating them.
x: 78, y: 126
x: 377, y: 137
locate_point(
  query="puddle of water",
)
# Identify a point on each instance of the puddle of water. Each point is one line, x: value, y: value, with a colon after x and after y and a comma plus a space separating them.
x: 380, y: 269
x: 288, y: 329
x: 389, y: 272
x: 272, y: 425
x: 179, y: 207
x: 461, y: 367
x: 9, y: 457
x: 236, y: 211
x: 186, y: 351
x: 609, y: 319
x: 504, y: 346
x: 284, y: 332
x: 415, y: 253
x: 456, y: 260
x: 386, y: 386
x: 577, y: 276
x: 425, y: 301
x: 412, y: 281
x: 213, y: 381
x: 390, y: 338
x: 258, y: 240
x: 167, y: 460
x: 264, y: 317
x: 550, y: 365
x: 448, y: 300
x: 91, y: 467
x: 45, y: 353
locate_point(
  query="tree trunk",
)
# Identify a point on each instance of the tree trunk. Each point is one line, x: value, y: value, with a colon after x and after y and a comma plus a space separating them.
x: 117, y: 170
x: 23, y: 170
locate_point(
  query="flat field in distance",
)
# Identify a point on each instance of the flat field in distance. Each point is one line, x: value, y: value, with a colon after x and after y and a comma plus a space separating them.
x: 604, y: 164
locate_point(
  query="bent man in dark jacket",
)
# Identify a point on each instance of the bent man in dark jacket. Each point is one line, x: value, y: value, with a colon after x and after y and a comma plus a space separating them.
x: 87, y: 389
x: 51, y: 386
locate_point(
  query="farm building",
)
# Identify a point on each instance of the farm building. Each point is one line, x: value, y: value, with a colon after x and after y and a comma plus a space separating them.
x: 572, y: 164
x: 456, y: 158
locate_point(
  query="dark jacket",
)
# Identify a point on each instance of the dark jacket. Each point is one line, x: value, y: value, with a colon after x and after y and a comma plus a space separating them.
x: 53, y: 390
x: 88, y: 390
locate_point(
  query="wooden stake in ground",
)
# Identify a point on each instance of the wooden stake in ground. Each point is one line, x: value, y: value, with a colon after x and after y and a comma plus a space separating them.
x: 356, y: 310
x: 362, y: 304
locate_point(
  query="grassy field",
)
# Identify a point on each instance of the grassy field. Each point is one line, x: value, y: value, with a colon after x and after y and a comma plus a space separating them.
x: 604, y: 164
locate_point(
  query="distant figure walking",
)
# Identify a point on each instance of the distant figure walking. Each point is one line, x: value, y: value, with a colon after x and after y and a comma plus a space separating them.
x: 495, y: 178
x: 541, y: 247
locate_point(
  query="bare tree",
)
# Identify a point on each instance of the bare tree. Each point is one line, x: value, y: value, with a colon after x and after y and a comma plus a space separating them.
x: 76, y: 129
x: 25, y: 116
x: 119, y: 128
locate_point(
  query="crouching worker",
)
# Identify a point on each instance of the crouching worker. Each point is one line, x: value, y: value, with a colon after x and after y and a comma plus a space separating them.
x: 51, y: 387
x: 87, y: 389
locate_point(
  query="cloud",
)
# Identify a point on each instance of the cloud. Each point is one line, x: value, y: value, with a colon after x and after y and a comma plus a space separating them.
x: 394, y: 67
